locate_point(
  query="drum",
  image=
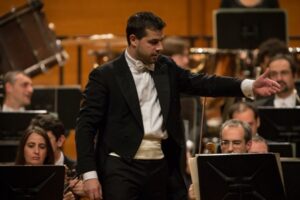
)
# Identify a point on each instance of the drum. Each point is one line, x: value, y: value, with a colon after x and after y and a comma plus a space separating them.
x: 26, y: 42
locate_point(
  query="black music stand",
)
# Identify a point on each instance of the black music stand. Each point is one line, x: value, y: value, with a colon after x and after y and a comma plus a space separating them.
x: 13, y: 124
x: 239, y: 177
x: 12, y: 127
x: 32, y: 182
x: 248, y: 28
x: 279, y: 124
x: 291, y: 175
x: 285, y: 149
x: 63, y: 100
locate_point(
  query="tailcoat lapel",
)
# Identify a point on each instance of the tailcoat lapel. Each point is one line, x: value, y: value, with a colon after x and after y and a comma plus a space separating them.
x: 128, y: 89
x: 162, y: 84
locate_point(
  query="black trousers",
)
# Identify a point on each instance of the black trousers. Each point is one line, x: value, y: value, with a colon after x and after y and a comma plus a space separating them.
x: 134, y: 180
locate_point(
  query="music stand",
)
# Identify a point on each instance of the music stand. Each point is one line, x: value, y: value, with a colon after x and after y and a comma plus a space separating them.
x: 285, y: 149
x: 13, y: 124
x: 248, y: 28
x: 12, y: 127
x: 239, y: 176
x: 291, y: 175
x: 279, y: 124
x: 32, y: 182
x: 63, y: 100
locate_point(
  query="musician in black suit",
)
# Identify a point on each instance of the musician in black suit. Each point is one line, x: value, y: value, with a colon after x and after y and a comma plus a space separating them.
x: 56, y: 132
x: 132, y: 105
x: 283, y: 70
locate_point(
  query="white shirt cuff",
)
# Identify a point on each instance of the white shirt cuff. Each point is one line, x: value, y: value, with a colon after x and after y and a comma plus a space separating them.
x: 89, y: 175
x: 247, y: 88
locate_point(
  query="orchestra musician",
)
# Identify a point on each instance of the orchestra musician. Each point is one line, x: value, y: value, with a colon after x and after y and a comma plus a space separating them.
x: 56, y: 132
x: 235, y: 137
x: 283, y: 70
x: 35, y: 149
x: 178, y: 49
x: 18, y: 91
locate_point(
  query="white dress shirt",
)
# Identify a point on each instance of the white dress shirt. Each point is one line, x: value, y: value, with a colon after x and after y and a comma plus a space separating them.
x: 288, y: 102
x: 61, y: 159
x: 149, y: 103
x: 6, y: 108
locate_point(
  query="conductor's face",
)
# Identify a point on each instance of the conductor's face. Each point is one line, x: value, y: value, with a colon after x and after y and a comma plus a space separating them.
x: 148, y: 48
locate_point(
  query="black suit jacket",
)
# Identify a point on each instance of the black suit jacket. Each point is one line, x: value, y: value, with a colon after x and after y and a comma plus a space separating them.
x: 111, y: 108
x: 71, y: 164
x: 268, y: 101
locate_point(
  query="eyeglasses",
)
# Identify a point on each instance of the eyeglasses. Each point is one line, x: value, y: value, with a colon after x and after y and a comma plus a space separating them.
x: 233, y: 142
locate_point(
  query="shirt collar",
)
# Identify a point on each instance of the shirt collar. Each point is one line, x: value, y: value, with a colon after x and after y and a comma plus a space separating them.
x: 6, y: 108
x: 137, y: 65
x: 288, y: 102
x: 61, y: 159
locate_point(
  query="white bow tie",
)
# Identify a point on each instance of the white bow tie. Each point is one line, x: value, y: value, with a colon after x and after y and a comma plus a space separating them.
x: 140, y: 66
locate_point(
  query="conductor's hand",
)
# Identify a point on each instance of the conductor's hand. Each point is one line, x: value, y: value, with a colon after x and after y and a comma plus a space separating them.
x: 92, y: 188
x: 263, y: 86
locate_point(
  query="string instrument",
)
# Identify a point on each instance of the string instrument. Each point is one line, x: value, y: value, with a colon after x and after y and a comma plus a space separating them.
x: 70, y: 174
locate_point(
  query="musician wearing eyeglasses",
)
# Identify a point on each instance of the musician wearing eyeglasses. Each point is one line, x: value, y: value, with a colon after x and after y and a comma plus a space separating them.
x: 235, y: 136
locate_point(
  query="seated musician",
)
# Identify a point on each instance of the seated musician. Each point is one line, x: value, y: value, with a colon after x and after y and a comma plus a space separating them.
x: 267, y: 50
x: 35, y: 149
x: 259, y: 145
x: 282, y: 70
x: 246, y: 112
x: 56, y: 132
x: 177, y: 48
x: 235, y: 137
x: 18, y: 91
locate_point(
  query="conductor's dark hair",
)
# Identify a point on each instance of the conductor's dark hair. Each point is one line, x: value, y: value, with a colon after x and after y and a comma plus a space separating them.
x: 139, y: 22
